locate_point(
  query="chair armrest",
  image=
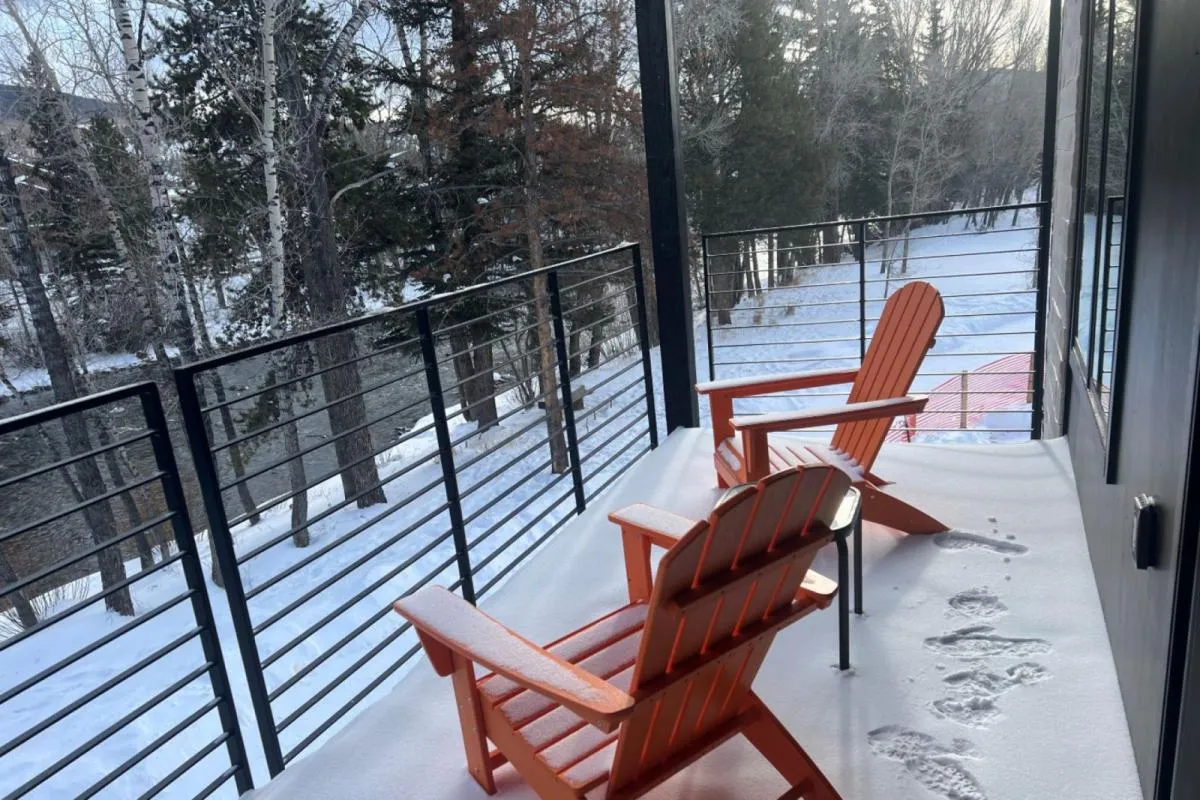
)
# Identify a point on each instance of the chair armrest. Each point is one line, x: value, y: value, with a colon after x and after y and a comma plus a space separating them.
x: 785, y: 382
x: 446, y: 620
x: 817, y: 588
x: 851, y: 412
x: 643, y: 526
x: 661, y: 527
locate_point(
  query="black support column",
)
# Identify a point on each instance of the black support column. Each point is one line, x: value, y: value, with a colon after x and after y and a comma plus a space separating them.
x: 668, y: 218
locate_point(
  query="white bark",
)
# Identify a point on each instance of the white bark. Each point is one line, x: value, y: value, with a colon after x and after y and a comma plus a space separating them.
x: 162, y: 222
x: 331, y: 67
x: 275, y: 256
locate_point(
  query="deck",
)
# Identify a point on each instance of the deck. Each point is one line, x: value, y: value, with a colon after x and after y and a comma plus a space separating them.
x: 982, y: 669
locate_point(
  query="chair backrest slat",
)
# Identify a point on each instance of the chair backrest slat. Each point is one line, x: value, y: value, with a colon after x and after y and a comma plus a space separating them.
x: 745, y: 564
x: 906, y: 330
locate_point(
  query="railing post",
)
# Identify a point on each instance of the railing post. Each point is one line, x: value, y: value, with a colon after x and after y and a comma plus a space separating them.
x: 1042, y: 282
x: 193, y: 573
x: 964, y: 401
x: 862, y: 290
x: 668, y: 214
x: 639, y: 288
x: 437, y: 405
x: 708, y: 322
x: 221, y: 542
x: 564, y: 380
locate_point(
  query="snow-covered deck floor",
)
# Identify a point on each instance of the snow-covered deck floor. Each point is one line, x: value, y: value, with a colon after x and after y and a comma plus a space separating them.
x: 981, y: 667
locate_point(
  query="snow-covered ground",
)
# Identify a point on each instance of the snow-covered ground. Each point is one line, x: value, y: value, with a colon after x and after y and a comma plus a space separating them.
x: 814, y: 324
x: 981, y: 668
x: 353, y: 551
x: 382, y: 551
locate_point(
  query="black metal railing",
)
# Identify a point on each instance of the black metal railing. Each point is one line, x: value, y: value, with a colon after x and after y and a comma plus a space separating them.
x: 443, y: 441
x: 1106, y: 277
x: 87, y: 700
x: 801, y: 297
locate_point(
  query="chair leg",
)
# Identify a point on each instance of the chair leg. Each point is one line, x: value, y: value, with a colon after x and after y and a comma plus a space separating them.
x: 470, y: 716
x: 771, y: 738
x: 886, y: 509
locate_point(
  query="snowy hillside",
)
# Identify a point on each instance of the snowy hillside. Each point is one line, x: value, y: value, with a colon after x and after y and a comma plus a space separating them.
x: 987, y: 281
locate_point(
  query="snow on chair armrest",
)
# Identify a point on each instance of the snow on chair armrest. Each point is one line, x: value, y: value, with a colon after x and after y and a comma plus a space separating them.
x: 818, y: 588
x: 445, y: 617
x: 653, y: 522
x: 780, y: 382
x: 815, y: 418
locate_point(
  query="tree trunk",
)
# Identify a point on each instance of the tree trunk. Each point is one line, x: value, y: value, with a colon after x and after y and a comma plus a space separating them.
x: 26, y: 616
x: 547, y: 358
x: 99, y: 515
x: 771, y: 279
x: 328, y: 295
x: 474, y: 369
x: 547, y: 378
x: 162, y: 220
x: 275, y: 255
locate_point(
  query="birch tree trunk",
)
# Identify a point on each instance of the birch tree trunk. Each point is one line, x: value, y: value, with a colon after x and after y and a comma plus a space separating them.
x: 162, y: 221
x: 99, y: 516
x: 297, y: 477
x: 275, y: 256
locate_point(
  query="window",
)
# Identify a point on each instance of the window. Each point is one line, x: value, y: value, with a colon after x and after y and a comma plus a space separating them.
x: 1102, y: 193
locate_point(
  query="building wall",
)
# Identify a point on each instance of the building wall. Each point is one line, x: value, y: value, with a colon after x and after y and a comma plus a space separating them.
x: 1155, y: 440
x: 1061, y: 281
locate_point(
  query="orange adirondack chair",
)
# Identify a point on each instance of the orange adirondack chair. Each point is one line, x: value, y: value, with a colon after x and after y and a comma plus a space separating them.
x: 625, y: 702
x: 906, y: 330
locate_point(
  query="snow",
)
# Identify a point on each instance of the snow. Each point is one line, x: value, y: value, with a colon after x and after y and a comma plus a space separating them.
x: 974, y: 670
x: 341, y: 633
x: 27, y: 380
x: 354, y: 552
x: 656, y: 519
x: 813, y: 325
x: 452, y: 619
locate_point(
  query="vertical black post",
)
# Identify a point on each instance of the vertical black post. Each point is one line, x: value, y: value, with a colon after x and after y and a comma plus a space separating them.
x: 668, y: 222
x: 858, y: 559
x: 708, y: 320
x: 193, y: 573
x: 1040, y: 308
x: 1046, y: 195
x: 437, y: 406
x: 221, y: 542
x: 843, y: 568
x: 862, y: 291
x: 639, y: 290
x: 564, y: 380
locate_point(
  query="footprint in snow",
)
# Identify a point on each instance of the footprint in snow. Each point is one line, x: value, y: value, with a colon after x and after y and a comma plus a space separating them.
x: 980, y: 641
x: 961, y: 540
x: 973, y: 703
x: 977, y: 603
x: 899, y: 743
x: 933, y: 764
x: 947, y: 778
x: 979, y: 681
x: 974, y: 711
